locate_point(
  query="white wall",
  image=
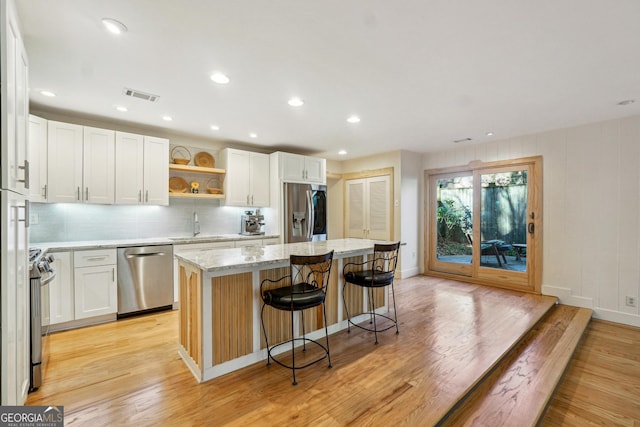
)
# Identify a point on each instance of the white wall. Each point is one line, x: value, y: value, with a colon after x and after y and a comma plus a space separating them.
x: 591, y: 210
x: 410, y: 207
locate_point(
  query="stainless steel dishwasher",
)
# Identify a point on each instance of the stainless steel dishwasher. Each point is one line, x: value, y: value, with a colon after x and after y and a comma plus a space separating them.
x: 145, y: 279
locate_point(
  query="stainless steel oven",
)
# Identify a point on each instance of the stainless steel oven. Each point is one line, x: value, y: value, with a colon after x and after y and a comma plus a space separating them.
x: 41, y: 273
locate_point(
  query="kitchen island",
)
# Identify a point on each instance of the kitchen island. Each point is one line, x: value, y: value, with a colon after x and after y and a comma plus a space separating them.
x: 220, y: 303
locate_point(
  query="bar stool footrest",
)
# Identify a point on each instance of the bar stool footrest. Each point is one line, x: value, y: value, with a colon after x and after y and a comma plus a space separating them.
x: 288, y: 353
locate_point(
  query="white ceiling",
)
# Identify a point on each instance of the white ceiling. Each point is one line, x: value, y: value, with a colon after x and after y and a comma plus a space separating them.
x: 419, y: 73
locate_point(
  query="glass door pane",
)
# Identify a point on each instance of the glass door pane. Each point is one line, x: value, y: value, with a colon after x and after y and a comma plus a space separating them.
x: 503, y: 220
x: 453, y: 221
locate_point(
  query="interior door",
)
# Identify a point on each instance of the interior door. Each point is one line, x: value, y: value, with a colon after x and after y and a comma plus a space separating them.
x: 368, y: 207
x: 484, y: 223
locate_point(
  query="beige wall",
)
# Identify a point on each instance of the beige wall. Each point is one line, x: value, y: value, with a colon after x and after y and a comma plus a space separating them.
x: 591, y: 210
x: 407, y: 169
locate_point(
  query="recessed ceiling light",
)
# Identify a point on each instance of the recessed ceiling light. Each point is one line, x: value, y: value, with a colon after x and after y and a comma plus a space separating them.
x: 489, y: 133
x: 253, y: 135
x: 115, y: 27
x: 295, y: 102
x: 121, y: 108
x: 47, y: 93
x: 220, y: 78
x: 354, y: 119
x: 627, y: 102
x: 215, y: 127
x: 342, y: 152
x: 167, y: 118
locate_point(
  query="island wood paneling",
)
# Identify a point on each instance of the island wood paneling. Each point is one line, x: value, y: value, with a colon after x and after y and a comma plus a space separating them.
x: 353, y: 295
x: 191, y: 311
x: 232, y: 316
x: 277, y: 323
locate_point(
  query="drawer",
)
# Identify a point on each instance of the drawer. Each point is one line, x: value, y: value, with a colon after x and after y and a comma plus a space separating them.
x: 94, y: 257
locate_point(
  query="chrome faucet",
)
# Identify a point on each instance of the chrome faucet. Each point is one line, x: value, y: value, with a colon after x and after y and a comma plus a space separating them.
x: 196, y: 224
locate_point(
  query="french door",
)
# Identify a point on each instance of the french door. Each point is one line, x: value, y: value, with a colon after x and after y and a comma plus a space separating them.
x: 484, y: 223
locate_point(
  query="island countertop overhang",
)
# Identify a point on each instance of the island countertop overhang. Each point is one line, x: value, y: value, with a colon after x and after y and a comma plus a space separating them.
x: 216, y: 260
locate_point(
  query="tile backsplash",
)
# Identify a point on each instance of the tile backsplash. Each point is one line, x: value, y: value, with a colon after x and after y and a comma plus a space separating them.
x: 62, y: 222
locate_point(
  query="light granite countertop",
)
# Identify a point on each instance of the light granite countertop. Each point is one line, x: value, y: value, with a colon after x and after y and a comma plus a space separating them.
x: 215, y: 260
x: 118, y: 243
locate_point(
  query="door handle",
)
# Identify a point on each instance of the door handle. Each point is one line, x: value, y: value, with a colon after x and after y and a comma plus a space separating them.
x: 25, y: 168
x: 531, y: 228
x: 27, y: 211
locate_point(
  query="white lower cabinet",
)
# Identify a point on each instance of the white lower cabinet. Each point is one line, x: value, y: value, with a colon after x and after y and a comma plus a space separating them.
x: 85, y: 286
x: 61, y: 289
x: 95, y: 287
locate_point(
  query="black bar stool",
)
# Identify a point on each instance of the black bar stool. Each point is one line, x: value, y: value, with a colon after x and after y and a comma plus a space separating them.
x: 305, y: 287
x: 375, y: 273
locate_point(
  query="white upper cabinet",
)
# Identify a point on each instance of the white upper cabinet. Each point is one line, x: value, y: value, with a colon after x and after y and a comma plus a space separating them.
x: 14, y: 103
x: 156, y: 172
x: 141, y: 169
x: 80, y: 164
x: 297, y: 168
x: 37, y: 159
x: 247, y: 178
x: 129, y: 168
x: 64, y: 162
x: 98, y: 166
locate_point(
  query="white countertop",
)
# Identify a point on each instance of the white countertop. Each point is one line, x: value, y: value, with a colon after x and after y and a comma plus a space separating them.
x: 110, y: 244
x: 223, y: 259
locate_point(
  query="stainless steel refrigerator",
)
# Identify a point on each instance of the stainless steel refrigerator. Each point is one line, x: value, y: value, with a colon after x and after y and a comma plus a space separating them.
x: 305, y: 212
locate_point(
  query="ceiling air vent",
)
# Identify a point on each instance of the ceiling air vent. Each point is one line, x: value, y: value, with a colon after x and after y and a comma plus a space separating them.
x: 458, y: 141
x: 140, y: 95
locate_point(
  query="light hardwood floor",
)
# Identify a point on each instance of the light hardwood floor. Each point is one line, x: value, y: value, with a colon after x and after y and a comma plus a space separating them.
x: 129, y: 373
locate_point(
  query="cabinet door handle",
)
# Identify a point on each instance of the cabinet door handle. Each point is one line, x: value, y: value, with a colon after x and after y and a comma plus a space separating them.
x: 139, y: 196
x: 86, y: 191
x: 252, y: 199
x: 44, y: 192
x: 26, y: 214
x: 96, y: 258
x: 78, y: 193
x: 113, y: 274
x: 146, y: 196
x: 247, y: 199
x: 25, y: 168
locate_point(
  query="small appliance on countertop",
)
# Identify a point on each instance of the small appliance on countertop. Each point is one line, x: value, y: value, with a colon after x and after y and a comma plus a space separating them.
x: 252, y: 224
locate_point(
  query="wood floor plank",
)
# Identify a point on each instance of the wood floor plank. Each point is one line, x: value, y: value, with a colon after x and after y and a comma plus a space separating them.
x: 128, y: 372
x: 518, y: 390
x: 602, y: 383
